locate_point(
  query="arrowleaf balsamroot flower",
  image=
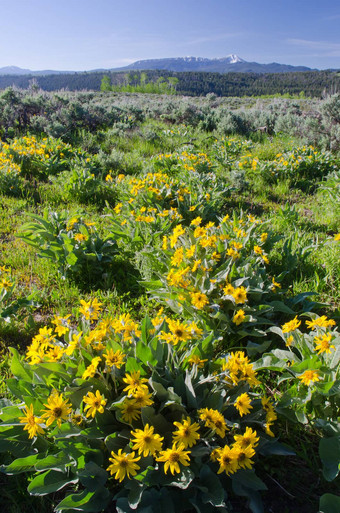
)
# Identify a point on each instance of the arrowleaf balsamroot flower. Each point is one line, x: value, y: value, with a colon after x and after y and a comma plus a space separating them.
x: 180, y: 330
x: 134, y: 382
x: 291, y: 325
x: 186, y: 433
x: 123, y: 464
x: 227, y: 458
x: 173, y: 457
x: 61, y: 325
x: 57, y: 408
x: 214, y: 420
x: 199, y: 300
x: 32, y: 422
x: 239, y: 317
x: 130, y: 410
x: 146, y: 441
x: 142, y: 398
x: 196, y: 360
x: 94, y: 403
x: 309, y: 376
x: 242, y: 404
x: 228, y: 289
x: 249, y: 438
x: 244, y: 456
x: 320, y: 322
x: 90, y: 309
x: 323, y: 344
x: 240, y: 295
x: 91, y: 370
x: 114, y: 359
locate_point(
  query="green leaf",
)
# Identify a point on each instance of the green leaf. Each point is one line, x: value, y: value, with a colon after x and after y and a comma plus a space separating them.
x: 279, y: 306
x: 18, y: 369
x: 135, y: 494
x: 71, y: 259
x: 181, y: 480
x: 54, y: 368
x: 16, y: 447
x: 246, y: 484
x: 90, y: 502
x: 329, y: 503
x: 190, y: 393
x: 9, y: 413
x: 146, y: 327
x: 334, y: 362
x: 249, y: 479
x: 133, y: 365
x: 329, y: 450
x: 19, y: 388
x: 215, y: 493
x: 161, y: 392
x: 22, y: 464
x: 48, y: 482
x: 115, y: 441
x: 92, y: 476
x: 324, y: 387
x: 144, y: 353
x: 159, y: 422
x: 273, y: 447
x: 253, y: 348
x: 54, y: 462
x: 65, y: 431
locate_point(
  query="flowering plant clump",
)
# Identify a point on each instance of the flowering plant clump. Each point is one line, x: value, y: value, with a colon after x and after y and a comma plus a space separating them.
x: 73, y: 243
x: 305, y: 163
x: 40, y: 158
x: 47, y: 156
x: 151, y: 205
x: 9, y: 306
x: 11, y: 182
x: 141, y: 414
x: 309, y: 367
x: 226, y: 150
x: 217, y: 275
x: 188, y: 192
x: 172, y: 163
x: 84, y: 184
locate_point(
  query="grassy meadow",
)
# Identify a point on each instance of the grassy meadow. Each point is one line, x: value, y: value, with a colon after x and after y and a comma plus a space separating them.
x: 169, y: 302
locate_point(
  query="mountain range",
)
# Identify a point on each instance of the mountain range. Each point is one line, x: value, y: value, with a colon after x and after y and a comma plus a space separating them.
x: 231, y: 63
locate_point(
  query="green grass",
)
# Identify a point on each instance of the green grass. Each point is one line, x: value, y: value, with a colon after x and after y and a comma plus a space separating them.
x: 308, y: 219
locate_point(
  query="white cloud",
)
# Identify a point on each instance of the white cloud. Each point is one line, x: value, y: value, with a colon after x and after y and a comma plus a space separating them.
x: 323, y: 48
x: 332, y: 18
x: 211, y: 39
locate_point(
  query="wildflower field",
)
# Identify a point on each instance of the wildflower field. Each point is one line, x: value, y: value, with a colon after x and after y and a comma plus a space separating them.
x: 169, y: 303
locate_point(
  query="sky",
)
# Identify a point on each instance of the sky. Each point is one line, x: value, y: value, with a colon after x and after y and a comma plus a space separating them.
x: 88, y: 34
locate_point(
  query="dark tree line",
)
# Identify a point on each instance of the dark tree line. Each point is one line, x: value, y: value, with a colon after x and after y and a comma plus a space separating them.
x: 311, y: 83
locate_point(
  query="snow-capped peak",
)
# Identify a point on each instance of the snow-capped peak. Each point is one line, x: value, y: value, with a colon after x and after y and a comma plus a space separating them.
x: 233, y: 58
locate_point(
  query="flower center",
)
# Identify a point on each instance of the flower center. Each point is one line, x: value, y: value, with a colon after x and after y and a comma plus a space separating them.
x: 226, y: 460
x: 174, y: 457
x: 57, y: 412
x: 241, y: 456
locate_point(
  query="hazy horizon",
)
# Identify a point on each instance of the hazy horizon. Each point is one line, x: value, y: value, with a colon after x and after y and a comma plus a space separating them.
x: 74, y: 36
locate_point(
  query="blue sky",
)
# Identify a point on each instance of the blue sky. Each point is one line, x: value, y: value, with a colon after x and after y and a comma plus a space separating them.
x: 88, y: 34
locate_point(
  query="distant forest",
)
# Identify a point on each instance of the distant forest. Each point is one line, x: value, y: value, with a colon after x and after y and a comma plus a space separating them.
x: 308, y: 84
